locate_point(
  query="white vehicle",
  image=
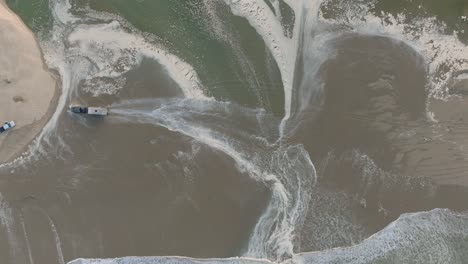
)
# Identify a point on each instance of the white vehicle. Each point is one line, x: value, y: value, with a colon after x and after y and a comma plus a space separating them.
x: 100, y: 111
x: 7, y: 126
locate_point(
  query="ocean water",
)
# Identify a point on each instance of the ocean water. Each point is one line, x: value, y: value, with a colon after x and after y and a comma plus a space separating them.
x: 244, y: 131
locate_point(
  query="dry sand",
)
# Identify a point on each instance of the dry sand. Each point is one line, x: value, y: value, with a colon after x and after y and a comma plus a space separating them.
x: 27, y: 90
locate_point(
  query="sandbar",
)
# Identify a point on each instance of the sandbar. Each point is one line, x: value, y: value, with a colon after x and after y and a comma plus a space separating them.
x: 27, y: 89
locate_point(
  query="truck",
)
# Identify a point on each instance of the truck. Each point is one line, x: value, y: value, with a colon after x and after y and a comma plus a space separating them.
x: 96, y: 111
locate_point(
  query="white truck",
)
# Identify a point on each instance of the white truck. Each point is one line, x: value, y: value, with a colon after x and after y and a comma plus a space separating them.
x: 7, y: 126
x: 96, y: 111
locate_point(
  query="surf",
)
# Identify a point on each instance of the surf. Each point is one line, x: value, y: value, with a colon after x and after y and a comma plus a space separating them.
x: 286, y: 170
x: 97, y: 49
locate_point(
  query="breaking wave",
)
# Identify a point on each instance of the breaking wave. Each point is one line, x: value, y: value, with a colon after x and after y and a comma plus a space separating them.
x: 438, y: 236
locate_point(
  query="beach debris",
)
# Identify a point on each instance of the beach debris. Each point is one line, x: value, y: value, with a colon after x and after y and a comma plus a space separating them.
x: 18, y: 98
x: 7, y: 80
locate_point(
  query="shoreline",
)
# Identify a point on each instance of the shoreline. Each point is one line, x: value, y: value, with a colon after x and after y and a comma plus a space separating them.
x: 29, y: 91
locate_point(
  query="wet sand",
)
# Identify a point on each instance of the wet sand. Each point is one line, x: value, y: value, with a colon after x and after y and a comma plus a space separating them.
x: 27, y: 89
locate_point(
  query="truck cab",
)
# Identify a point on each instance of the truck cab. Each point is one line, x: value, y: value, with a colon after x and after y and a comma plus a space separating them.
x: 79, y: 109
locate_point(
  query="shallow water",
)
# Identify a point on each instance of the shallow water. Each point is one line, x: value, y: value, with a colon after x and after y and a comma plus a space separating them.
x: 288, y: 131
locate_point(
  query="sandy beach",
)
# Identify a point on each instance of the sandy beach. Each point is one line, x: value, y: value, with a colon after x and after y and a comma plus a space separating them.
x: 27, y: 89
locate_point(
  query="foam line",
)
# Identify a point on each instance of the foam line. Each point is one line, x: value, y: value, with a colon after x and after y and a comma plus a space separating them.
x: 286, y: 170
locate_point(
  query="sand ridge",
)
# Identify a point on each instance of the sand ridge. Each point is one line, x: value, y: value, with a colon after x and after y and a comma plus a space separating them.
x: 27, y: 89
